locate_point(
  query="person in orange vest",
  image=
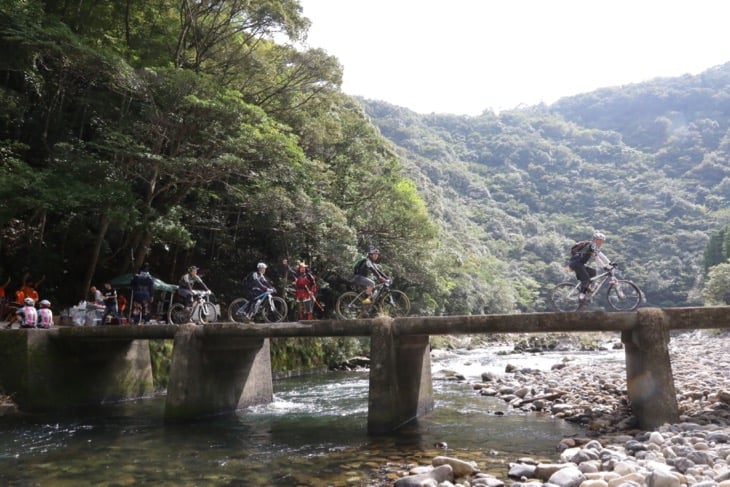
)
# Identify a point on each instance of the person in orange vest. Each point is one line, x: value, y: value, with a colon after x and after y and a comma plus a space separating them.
x: 2, y: 290
x: 5, y: 312
x: 28, y: 290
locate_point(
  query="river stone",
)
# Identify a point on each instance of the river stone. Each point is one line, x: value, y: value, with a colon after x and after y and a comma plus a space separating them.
x: 661, y: 478
x: 544, y: 471
x: 521, y: 470
x: 433, y: 478
x: 460, y: 467
x: 724, y: 396
x: 632, y: 479
x: 567, y: 477
x: 594, y: 483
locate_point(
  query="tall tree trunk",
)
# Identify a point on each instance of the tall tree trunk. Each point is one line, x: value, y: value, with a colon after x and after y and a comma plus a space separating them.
x: 95, y: 252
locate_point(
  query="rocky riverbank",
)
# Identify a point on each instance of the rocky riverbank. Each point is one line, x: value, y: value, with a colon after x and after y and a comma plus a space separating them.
x: 613, y: 452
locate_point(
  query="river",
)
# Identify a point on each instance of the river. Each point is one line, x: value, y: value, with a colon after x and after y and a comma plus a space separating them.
x: 313, y: 434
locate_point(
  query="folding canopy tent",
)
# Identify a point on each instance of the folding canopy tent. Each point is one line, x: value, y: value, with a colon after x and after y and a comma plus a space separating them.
x: 125, y: 280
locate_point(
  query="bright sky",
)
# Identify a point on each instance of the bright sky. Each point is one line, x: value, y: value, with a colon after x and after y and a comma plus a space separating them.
x: 465, y: 56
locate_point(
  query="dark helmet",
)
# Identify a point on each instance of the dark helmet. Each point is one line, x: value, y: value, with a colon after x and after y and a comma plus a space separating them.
x: 373, y: 251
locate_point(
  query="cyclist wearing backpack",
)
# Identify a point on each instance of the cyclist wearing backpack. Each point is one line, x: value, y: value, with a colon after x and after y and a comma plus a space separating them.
x: 581, y: 254
x: 366, y: 267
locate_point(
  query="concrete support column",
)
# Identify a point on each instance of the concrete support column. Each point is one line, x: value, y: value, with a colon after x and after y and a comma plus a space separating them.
x: 43, y: 373
x: 400, y: 378
x: 212, y: 375
x: 649, y: 370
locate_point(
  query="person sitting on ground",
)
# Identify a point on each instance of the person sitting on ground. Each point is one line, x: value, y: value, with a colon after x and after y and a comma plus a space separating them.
x: 27, y: 314
x: 143, y: 293
x: 366, y: 267
x: 187, y: 283
x: 305, y: 287
x: 45, y: 315
x: 584, y: 252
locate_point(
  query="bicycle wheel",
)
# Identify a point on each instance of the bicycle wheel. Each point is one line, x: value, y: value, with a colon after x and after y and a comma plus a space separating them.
x: 178, y: 314
x: 349, y: 306
x: 395, y: 304
x: 624, y: 296
x: 565, y: 297
x: 206, y: 313
x: 235, y: 310
x: 274, y: 310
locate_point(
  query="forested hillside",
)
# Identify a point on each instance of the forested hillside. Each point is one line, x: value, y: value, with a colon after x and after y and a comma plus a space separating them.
x: 207, y: 133
x: 647, y: 164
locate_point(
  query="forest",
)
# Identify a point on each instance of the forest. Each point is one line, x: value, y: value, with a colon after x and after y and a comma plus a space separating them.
x: 177, y: 133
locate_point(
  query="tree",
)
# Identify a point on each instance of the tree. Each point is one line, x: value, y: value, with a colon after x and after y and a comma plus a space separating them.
x: 717, y: 286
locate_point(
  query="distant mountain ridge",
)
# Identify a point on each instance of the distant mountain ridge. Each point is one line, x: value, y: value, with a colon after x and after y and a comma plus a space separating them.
x: 648, y: 164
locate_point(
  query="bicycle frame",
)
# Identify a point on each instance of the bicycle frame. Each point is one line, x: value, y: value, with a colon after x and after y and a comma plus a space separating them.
x: 621, y: 295
x: 199, y: 311
x: 384, y: 300
x: 271, y: 308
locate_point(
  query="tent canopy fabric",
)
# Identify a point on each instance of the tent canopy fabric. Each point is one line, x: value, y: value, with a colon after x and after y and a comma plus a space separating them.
x: 125, y: 280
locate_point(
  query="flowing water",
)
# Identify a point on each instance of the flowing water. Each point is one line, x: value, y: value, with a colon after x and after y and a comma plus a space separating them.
x: 313, y: 434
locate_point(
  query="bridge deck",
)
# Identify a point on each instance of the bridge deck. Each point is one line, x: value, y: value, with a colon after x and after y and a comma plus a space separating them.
x: 594, y: 321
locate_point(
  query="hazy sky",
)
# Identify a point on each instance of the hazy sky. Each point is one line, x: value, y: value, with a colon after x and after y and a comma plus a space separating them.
x: 465, y: 56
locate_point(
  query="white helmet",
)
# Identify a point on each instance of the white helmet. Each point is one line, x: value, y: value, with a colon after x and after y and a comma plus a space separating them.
x: 29, y: 302
x: 599, y: 235
x: 261, y: 265
x: 45, y: 303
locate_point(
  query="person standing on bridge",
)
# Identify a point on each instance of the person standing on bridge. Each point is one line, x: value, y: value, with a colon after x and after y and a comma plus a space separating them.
x: 582, y: 253
x: 305, y: 287
x: 366, y: 267
x: 143, y: 287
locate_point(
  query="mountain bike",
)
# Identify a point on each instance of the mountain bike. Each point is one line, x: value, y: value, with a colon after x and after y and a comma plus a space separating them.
x: 621, y: 295
x: 272, y: 309
x: 384, y: 300
x: 201, y: 311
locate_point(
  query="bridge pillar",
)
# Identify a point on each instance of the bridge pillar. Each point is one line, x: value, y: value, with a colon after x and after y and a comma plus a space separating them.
x: 44, y: 373
x: 649, y: 370
x: 400, y: 378
x: 212, y: 375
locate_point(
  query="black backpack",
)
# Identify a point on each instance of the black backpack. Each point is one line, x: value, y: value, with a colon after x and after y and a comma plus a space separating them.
x: 578, y: 247
x: 359, y: 266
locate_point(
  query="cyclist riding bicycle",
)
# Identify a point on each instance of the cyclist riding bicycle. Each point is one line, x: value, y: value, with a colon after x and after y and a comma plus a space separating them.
x: 583, y: 253
x: 255, y: 284
x: 366, y: 267
x: 187, y: 284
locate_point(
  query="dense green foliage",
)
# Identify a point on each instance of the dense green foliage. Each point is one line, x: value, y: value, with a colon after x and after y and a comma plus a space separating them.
x: 647, y: 164
x: 176, y: 133
x: 206, y: 133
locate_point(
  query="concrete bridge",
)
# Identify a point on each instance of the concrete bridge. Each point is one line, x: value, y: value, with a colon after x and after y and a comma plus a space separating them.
x: 221, y: 367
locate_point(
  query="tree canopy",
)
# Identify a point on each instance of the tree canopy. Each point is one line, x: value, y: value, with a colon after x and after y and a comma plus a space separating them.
x: 208, y: 133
